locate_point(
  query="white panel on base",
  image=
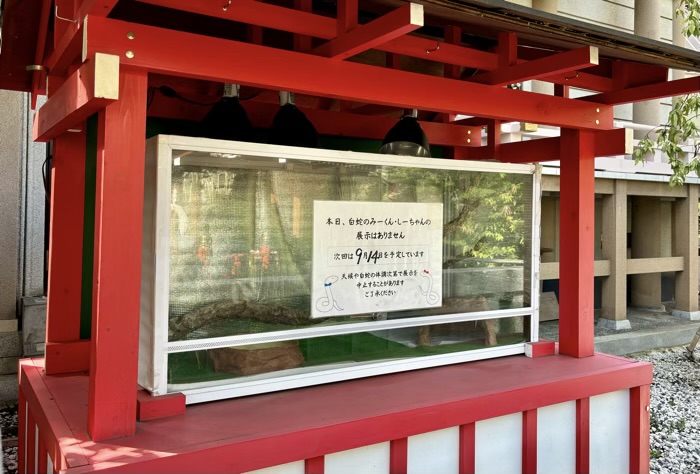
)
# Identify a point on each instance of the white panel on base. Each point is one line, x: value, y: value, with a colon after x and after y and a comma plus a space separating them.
x: 296, y: 467
x: 434, y: 452
x: 610, y: 433
x: 373, y: 459
x: 556, y: 439
x: 499, y: 445
x: 49, y: 464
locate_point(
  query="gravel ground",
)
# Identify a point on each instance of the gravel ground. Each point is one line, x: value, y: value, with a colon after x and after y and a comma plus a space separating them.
x: 8, y: 424
x: 675, y: 411
x: 675, y: 415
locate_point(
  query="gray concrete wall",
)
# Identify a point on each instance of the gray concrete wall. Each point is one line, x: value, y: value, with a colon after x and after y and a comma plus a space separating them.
x: 34, y: 206
x: 12, y: 148
x: 22, y: 205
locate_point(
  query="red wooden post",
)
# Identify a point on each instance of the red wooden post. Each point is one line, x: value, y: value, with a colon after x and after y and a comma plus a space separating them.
x: 41, y: 453
x: 315, y: 465
x: 639, y: 429
x: 65, y: 244
x: 467, y: 448
x: 583, y: 435
x: 576, y: 230
x: 530, y: 441
x: 30, y: 449
x: 117, y: 267
x: 398, y: 456
x: 22, y: 429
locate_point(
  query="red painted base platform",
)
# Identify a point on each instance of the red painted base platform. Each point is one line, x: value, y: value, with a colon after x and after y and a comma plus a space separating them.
x: 307, y: 424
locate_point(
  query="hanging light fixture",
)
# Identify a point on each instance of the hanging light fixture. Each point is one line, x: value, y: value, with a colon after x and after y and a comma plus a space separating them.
x: 291, y: 127
x: 406, y: 138
x: 227, y: 119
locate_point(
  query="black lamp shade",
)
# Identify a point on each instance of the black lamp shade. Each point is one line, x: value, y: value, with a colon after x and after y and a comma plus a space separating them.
x: 291, y: 127
x: 227, y: 120
x: 406, y: 138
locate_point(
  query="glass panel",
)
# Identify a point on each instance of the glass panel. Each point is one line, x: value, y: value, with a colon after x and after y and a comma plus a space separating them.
x: 262, y: 361
x: 241, y: 238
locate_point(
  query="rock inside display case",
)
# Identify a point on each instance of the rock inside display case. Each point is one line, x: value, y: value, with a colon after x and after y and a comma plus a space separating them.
x: 268, y: 267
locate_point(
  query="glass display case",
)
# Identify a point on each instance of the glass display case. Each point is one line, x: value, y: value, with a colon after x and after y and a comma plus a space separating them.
x: 269, y: 267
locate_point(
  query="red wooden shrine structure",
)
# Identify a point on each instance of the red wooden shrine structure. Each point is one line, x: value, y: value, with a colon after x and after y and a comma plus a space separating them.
x: 355, y: 65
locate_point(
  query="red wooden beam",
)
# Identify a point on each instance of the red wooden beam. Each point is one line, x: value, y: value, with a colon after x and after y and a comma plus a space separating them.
x: 453, y: 35
x: 88, y: 90
x: 22, y: 427
x: 627, y: 74
x: 67, y: 51
x: 38, y: 84
x: 346, y: 16
x: 398, y: 456
x: 261, y: 14
x: 583, y: 435
x: 184, y: 54
x: 467, y: 448
x: 441, y: 52
x: 47, y: 417
x: 149, y: 407
x: 647, y: 92
x: 582, y: 80
x: 540, y: 68
x: 576, y: 255
x: 65, y: 242
x: 65, y: 9
x: 639, y: 428
x: 67, y: 357
x: 117, y: 267
x: 507, y: 49
x: 95, y: 7
x: 314, y: 465
x: 303, y: 23
x: 607, y: 143
x: 370, y: 127
x: 385, y: 28
x: 301, y: 42
x: 67, y: 34
x: 617, y: 141
x: 529, y: 453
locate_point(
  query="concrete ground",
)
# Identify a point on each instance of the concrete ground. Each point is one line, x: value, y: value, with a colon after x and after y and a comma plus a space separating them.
x: 651, y: 329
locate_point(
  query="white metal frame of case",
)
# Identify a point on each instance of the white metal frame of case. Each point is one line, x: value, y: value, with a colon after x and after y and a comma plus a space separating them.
x: 155, y: 347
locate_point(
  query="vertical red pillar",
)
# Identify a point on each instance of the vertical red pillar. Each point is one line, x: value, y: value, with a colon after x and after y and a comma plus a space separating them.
x: 639, y: 429
x: 467, y: 448
x: 23, y: 430
x: 530, y: 442
x: 576, y: 217
x: 583, y: 435
x: 117, y: 265
x: 65, y: 246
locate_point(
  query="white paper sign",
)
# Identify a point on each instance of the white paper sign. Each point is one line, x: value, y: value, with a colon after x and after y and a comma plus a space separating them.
x: 375, y: 256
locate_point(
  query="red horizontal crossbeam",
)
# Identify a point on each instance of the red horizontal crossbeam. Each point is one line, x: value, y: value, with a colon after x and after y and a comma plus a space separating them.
x: 650, y: 91
x: 447, y: 53
x: 385, y: 28
x: 86, y: 91
x: 96, y: 7
x: 304, y: 23
x: 177, y: 53
x: 65, y: 52
x: 582, y: 80
x: 607, y: 143
x: 366, y: 126
x: 555, y: 64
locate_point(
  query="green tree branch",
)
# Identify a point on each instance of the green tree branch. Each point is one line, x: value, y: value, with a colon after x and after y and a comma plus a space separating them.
x: 681, y: 126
